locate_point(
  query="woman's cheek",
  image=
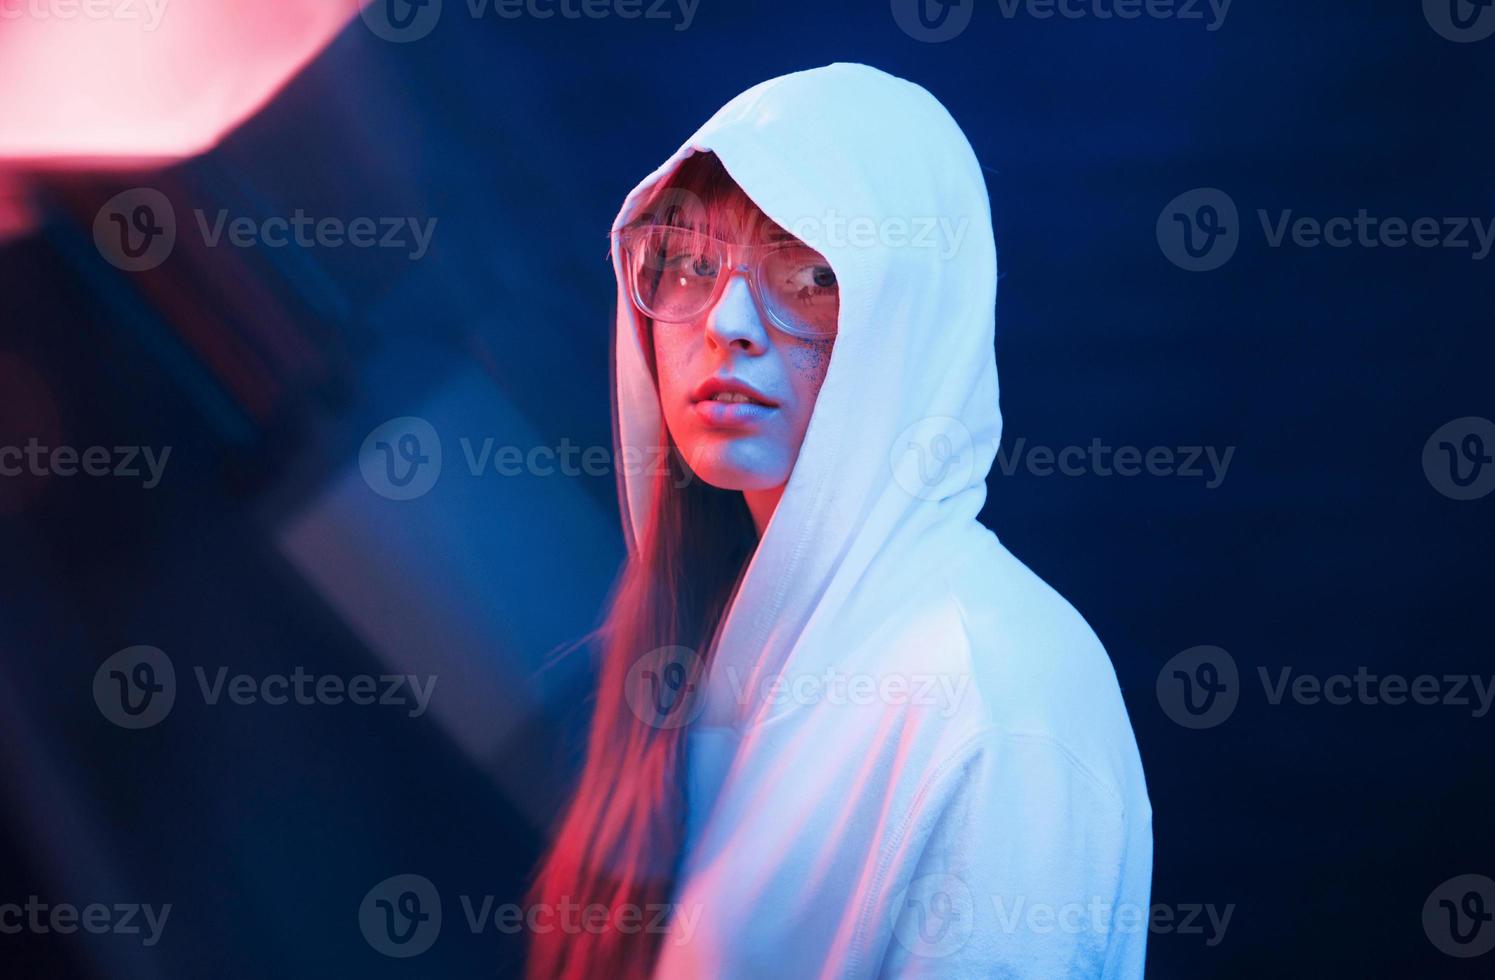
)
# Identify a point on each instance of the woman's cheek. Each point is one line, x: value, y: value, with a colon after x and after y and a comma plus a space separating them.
x: 809, y: 360
x: 670, y: 362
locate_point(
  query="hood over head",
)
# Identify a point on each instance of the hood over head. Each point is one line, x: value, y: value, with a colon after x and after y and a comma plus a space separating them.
x: 873, y: 172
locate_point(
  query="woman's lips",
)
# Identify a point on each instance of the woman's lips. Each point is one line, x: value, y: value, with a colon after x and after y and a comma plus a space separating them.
x: 731, y: 414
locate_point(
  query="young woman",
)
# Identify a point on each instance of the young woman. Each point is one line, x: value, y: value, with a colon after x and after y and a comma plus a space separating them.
x: 840, y: 731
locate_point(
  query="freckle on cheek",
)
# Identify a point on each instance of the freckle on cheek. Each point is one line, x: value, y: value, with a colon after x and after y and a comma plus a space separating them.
x: 811, y: 358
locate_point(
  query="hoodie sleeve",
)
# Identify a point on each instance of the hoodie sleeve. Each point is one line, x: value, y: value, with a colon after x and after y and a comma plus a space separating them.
x: 1032, y: 868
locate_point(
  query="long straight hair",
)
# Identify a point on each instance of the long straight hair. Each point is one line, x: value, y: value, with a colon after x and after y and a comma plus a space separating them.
x: 619, y: 839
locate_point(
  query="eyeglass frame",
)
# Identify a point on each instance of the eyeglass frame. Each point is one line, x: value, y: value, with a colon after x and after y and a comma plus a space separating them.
x: 731, y: 250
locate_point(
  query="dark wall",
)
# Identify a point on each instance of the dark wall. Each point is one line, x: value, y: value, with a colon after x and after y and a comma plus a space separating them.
x: 1325, y: 546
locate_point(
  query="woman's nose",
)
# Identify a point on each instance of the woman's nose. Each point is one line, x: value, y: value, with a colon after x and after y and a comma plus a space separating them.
x: 734, y: 320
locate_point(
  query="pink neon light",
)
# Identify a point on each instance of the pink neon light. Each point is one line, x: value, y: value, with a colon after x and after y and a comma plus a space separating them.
x: 91, y: 82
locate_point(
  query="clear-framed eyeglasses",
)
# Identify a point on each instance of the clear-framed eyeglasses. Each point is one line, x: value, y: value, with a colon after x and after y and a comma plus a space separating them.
x: 676, y: 274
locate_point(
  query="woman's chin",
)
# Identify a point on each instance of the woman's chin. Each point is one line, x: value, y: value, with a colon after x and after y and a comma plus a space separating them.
x: 736, y: 464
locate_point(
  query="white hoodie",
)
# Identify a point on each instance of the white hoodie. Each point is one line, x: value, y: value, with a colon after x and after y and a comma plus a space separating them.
x: 912, y: 757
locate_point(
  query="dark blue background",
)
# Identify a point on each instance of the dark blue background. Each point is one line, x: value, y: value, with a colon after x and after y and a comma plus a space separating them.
x: 1325, y: 548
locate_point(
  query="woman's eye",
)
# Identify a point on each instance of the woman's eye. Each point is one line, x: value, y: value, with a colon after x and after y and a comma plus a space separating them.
x: 689, y: 262
x: 816, y: 276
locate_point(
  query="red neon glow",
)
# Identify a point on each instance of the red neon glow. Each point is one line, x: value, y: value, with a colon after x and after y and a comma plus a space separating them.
x: 91, y: 82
